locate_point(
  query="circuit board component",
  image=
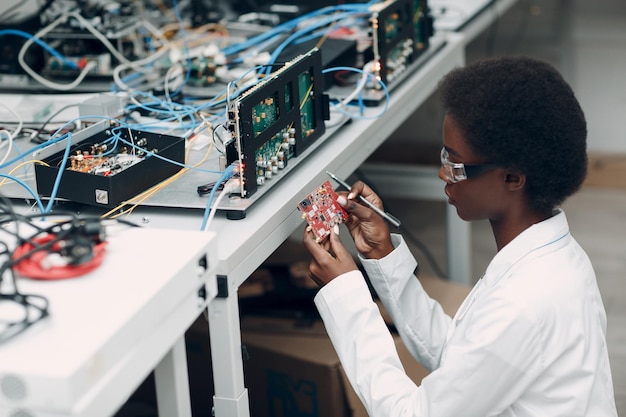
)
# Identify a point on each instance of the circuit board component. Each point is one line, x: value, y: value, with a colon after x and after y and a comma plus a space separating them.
x: 276, y: 120
x: 321, y: 211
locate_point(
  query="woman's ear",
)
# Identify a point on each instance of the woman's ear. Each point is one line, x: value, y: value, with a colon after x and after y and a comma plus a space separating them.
x: 514, y: 180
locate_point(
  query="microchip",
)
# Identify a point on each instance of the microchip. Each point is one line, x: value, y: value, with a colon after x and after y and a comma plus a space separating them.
x: 321, y: 211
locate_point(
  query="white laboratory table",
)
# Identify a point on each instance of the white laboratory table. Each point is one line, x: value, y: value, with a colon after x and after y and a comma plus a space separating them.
x: 108, y: 329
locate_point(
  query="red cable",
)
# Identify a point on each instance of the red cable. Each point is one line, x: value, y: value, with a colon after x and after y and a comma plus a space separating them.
x: 31, y: 267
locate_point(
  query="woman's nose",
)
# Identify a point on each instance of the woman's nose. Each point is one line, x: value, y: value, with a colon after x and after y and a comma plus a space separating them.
x: 443, y: 176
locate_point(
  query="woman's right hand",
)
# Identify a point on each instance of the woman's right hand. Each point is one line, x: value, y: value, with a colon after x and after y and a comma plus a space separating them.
x: 369, y: 230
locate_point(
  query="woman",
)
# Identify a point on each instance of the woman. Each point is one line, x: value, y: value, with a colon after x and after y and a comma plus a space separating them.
x: 530, y: 338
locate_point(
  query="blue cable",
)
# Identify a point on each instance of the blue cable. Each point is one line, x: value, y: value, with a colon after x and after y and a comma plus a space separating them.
x: 360, y: 71
x: 116, y: 137
x: 61, y: 169
x: 314, y: 26
x: 226, y: 175
x: 39, y: 42
x: 292, y: 24
x: 25, y: 186
x: 130, y: 77
x: 57, y: 180
x: 36, y: 148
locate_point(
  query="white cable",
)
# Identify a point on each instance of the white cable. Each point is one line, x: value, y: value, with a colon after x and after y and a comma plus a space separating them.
x: 139, y: 64
x: 173, y: 73
x: 228, y: 87
x: 2, y: 144
x: 50, y: 84
x: 126, y: 63
x: 20, y: 124
x: 360, y: 85
x: 156, y: 32
x: 230, y: 186
x: 136, y: 66
x: 95, y: 32
x: 343, y: 104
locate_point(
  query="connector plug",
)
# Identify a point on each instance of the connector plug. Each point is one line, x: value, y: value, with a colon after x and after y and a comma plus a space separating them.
x: 232, y: 185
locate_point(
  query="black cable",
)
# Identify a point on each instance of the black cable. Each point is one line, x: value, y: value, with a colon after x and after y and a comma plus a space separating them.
x: 6, y: 209
x: 58, y: 230
x: 35, y: 307
x: 66, y: 226
x: 36, y: 138
x: 424, y: 249
x: 205, y: 189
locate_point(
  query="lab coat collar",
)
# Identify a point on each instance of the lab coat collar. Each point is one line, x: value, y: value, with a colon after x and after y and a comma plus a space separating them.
x: 540, y: 236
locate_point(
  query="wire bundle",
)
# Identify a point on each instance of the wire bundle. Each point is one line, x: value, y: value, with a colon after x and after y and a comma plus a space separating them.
x: 189, y: 117
x: 64, y: 246
x: 67, y: 258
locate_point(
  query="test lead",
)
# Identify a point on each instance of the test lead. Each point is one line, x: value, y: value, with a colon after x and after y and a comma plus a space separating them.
x: 391, y: 219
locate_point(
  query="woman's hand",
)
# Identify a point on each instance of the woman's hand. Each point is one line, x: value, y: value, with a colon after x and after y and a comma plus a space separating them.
x: 369, y: 230
x: 330, y: 258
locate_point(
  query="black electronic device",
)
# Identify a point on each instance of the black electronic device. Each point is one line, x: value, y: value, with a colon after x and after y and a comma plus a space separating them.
x: 277, y: 120
x: 80, y: 41
x: 401, y: 30
x: 11, y: 45
x: 335, y: 52
x: 104, y: 171
x: 94, y: 34
x: 401, y: 40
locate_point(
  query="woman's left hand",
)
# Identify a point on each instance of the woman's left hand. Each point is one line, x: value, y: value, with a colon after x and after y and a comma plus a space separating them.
x: 330, y: 258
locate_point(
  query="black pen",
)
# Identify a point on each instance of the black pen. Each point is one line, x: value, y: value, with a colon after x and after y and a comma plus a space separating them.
x: 391, y: 219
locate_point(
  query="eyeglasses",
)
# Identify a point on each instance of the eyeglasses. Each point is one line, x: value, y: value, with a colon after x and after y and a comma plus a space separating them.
x: 456, y: 172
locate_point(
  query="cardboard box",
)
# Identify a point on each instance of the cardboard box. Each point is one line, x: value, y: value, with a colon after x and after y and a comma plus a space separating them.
x: 293, y: 371
x: 606, y: 170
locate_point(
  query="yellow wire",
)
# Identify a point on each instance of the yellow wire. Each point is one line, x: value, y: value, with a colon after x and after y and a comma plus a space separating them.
x: 306, y: 96
x: 18, y: 166
x: 153, y: 190
x: 327, y: 33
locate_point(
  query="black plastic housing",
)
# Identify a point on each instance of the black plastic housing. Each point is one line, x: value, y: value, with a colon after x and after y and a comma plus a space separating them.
x: 111, y: 191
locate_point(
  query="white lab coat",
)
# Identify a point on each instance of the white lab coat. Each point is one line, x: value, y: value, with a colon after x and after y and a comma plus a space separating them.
x: 529, y: 340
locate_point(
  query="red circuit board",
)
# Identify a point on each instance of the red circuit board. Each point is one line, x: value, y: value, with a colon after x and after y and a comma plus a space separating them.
x: 321, y: 211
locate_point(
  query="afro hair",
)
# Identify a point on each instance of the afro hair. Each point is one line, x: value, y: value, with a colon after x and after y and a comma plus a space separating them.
x: 519, y: 113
